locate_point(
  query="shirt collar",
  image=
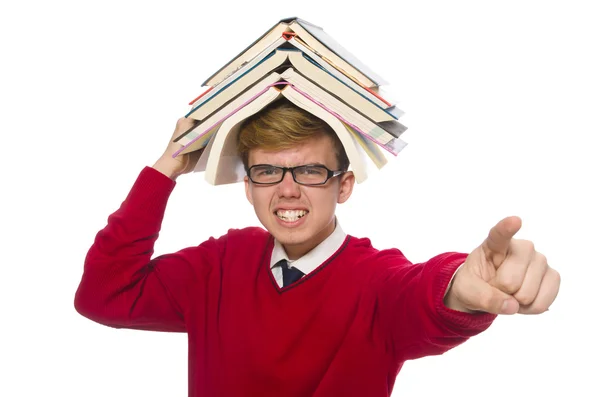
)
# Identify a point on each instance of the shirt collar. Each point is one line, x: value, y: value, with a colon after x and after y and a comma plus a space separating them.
x: 315, y: 257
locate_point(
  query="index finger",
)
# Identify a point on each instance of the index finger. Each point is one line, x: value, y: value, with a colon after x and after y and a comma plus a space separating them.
x: 497, y: 242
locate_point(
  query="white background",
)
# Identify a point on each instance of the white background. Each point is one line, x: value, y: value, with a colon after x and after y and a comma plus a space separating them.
x: 502, y: 101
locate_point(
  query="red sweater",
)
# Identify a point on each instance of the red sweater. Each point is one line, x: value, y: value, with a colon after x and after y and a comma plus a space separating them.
x: 343, y: 330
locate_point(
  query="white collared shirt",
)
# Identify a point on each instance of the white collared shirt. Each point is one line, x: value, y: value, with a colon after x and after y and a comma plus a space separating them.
x: 312, y: 259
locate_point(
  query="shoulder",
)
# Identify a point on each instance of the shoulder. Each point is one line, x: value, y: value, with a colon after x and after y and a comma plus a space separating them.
x: 361, y: 247
x: 248, y: 238
x: 367, y: 267
x: 393, y: 257
x: 368, y: 260
x: 238, y: 238
x: 250, y: 234
x: 234, y: 242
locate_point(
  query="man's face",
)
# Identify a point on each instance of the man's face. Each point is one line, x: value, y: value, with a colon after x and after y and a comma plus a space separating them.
x: 315, y: 204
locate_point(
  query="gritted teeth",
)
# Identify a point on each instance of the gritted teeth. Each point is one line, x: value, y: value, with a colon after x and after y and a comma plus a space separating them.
x: 291, y: 215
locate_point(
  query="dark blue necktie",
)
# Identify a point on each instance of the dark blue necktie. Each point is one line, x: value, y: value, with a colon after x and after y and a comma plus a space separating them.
x: 290, y: 275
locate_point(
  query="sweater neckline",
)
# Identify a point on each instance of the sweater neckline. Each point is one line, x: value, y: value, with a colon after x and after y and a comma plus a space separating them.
x: 266, y: 259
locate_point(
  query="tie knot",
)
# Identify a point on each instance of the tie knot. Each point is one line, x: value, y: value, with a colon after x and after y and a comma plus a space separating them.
x: 290, y: 274
x: 282, y: 263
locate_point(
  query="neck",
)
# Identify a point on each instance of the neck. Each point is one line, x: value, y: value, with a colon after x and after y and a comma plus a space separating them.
x: 296, y: 251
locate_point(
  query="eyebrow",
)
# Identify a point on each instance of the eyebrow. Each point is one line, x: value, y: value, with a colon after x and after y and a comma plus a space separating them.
x: 299, y: 165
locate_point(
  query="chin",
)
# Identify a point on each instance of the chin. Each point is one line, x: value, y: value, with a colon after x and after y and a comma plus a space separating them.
x: 291, y: 237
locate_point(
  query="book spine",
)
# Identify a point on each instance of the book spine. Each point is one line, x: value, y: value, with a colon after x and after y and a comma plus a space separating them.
x: 193, y: 136
x: 375, y: 134
x: 223, y: 85
x: 376, y: 95
x: 200, y: 96
x: 340, y: 74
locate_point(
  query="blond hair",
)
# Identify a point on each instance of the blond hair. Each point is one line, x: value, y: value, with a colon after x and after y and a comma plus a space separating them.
x: 282, y: 125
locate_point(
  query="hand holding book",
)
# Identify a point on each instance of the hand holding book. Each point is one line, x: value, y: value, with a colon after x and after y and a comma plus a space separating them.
x: 183, y: 164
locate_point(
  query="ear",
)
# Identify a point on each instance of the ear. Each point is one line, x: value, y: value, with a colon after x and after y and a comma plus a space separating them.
x: 248, y: 188
x: 346, y: 185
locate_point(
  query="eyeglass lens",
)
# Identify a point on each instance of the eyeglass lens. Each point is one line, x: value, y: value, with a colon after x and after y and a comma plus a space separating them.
x: 304, y: 174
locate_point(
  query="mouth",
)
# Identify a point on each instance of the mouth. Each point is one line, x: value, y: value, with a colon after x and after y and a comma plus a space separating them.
x: 290, y: 216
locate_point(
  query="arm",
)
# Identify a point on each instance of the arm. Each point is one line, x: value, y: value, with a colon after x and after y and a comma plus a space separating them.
x: 428, y: 314
x: 121, y: 285
x: 413, y: 311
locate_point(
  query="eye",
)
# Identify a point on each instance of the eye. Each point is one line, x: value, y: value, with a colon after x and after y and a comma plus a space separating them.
x: 267, y: 171
x: 311, y: 171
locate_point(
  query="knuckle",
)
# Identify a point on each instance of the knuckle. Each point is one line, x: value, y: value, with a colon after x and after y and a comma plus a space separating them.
x: 555, y: 276
x: 509, y: 282
x: 542, y: 259
x: 182, y: 121
x: 525, y: 298
x: 536, y: 309
x: 527, y: 245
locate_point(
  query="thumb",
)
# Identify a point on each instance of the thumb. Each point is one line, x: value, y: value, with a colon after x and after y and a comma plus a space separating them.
x: 480, y: 296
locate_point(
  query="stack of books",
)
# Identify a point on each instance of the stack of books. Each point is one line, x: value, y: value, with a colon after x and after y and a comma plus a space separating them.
x: 298, y: 61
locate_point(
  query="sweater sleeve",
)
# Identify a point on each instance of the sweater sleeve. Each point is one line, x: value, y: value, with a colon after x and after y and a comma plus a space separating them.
x: 411, y: 297
x: 121, y: 285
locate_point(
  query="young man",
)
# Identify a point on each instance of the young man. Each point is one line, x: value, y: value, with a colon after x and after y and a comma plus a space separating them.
x: 301, y: 308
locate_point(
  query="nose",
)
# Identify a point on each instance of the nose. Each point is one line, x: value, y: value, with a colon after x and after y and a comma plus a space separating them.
x: 288, y: 187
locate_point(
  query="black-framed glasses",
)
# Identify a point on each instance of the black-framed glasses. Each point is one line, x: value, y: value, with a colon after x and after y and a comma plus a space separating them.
x: 310, y: 175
